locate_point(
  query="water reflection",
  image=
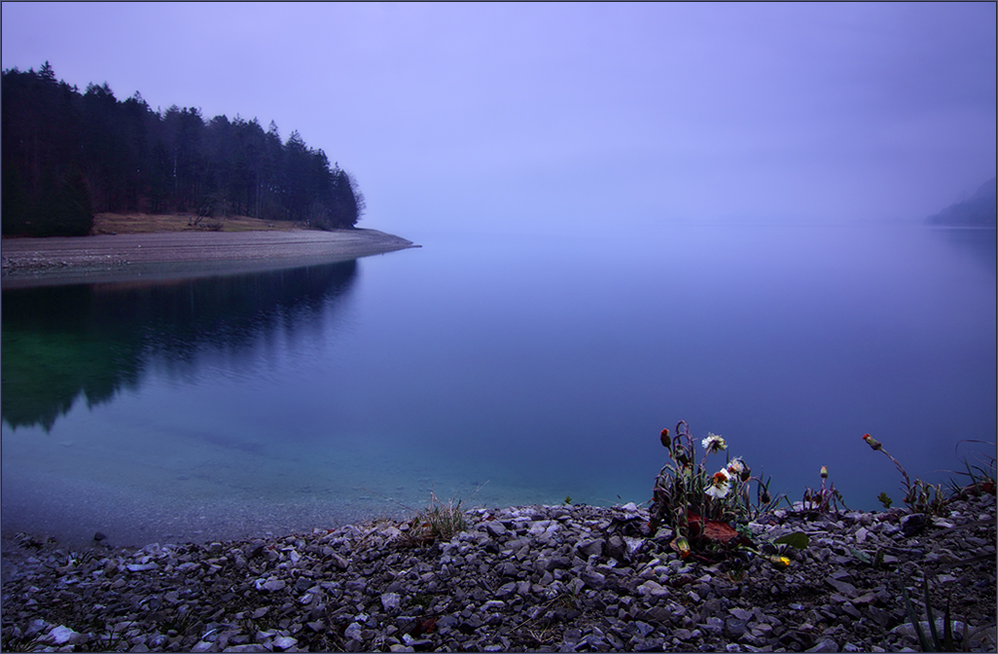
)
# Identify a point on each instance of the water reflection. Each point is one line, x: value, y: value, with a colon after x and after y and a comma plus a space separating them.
x: 96, y: 340
x: 979, y: 244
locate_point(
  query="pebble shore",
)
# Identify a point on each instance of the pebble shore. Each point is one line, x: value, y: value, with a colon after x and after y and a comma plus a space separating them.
x: 540, y: 578
x: 165, y: 256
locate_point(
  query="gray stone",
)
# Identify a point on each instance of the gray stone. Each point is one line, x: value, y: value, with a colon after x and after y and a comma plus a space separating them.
x: 914, y: 524
x: 353, y: 631
x: 595, y: 580
x: 557, y: 563
x: 390, y: 601
x: 682, y: 634
x: 652, y: 588
x: 643, y: 628
x: 495, y: 529
x: 735, y: 628
x: 714, y: 626
x: 825, y: 645
x: 593, y: 547
x: 274, y: 585
x: 843, y: 587
x: 616, y: 548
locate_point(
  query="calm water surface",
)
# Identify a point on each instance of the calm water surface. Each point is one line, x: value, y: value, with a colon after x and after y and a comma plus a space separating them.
x: 496, y: 370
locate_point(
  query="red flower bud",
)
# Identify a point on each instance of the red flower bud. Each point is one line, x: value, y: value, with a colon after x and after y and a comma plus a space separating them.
x: 872, y: 442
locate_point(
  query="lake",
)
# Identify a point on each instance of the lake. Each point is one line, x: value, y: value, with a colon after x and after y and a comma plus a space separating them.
x: 495, y: 369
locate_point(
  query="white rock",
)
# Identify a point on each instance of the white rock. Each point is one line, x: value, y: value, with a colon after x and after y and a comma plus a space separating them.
x: 61, y: 635
x: 285, y: 642
x: 634, y: 545
x: 390, y: 601
x: 141, y: 567
x: 539, y: 527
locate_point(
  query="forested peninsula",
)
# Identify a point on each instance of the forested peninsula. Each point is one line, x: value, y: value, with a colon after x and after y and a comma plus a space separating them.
x: 976, y: 211
x: 69, y: 155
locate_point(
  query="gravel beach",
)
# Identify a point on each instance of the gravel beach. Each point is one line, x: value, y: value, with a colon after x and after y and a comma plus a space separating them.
x: 167, y: 255
x: 533, y: 578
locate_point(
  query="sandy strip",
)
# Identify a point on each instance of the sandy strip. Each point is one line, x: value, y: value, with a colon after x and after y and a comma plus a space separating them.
x: 170, y: 255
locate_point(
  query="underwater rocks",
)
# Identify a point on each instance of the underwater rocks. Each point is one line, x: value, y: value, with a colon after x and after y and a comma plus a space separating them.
x: 544, y: 578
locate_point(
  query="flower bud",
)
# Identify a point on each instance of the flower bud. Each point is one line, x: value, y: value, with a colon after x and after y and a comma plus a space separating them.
x: 872, y: 442
x: 666, y: 441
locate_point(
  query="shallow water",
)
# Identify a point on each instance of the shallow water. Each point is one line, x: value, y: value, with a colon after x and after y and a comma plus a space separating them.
x: 495, y: 370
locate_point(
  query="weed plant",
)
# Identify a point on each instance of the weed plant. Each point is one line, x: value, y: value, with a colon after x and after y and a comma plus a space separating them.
x: 981, y: 476
x: 690, y: 498
x: 438, y: 521
x: 825, y: 500
x: 919, y: 496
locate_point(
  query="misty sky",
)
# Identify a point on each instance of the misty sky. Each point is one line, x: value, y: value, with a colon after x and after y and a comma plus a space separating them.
x: 572, y: 114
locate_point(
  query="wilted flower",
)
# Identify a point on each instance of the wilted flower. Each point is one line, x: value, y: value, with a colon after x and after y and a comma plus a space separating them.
x: 719, y: 484
x: 746, y: 472
x: 872, y: 442
x: 737, y: 467
x: 824, y: 472
x: 714, y: 443
x: 666, y: 441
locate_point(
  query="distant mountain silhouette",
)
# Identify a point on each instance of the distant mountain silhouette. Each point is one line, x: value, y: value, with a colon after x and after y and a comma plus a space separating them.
x: 977, y: 210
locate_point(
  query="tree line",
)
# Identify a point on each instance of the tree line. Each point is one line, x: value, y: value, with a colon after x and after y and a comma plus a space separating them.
x: 68, y: 155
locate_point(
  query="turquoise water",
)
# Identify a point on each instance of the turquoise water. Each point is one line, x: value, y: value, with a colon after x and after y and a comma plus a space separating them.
x: 494, y: 369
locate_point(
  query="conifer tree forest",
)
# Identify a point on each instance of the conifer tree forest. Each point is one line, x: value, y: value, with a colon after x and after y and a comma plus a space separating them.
x: 68, y: 155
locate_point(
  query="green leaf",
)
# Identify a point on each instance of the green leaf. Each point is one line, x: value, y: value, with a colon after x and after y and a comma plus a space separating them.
x: 797, y: 539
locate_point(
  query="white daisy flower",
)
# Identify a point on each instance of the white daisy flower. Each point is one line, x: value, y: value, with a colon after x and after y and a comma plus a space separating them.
x: 713, y: 443
x: 720, y: 484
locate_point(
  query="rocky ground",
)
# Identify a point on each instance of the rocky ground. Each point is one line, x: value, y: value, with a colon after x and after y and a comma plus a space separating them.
x: 567, y: 578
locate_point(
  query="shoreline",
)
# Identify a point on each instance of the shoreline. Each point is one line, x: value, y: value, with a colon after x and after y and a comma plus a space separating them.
x: 160, y: 256
x: 528, y: 578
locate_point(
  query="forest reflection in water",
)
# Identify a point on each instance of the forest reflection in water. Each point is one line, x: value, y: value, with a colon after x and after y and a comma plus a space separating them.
x: 95, y: 340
